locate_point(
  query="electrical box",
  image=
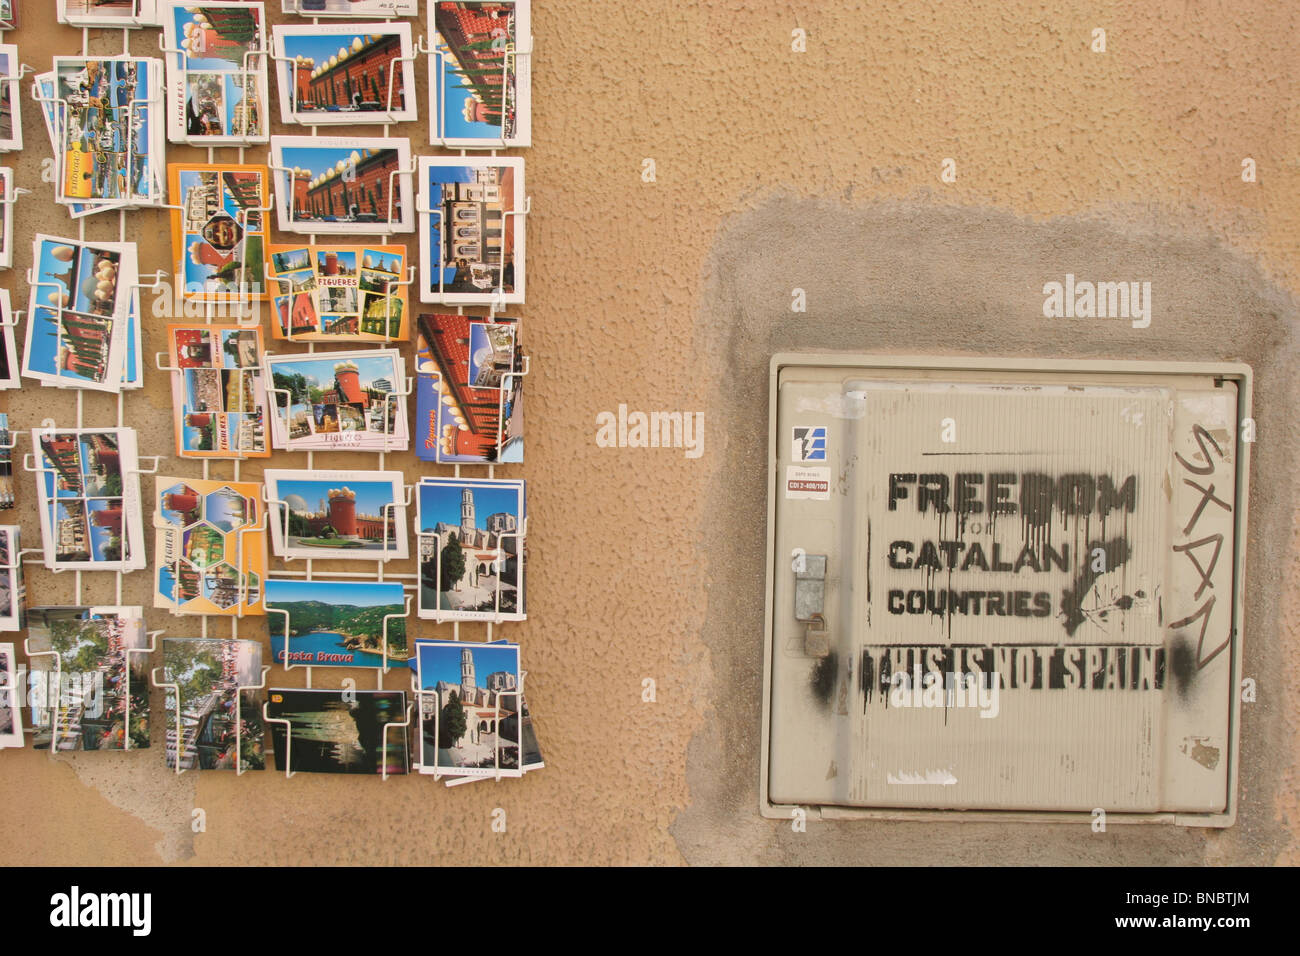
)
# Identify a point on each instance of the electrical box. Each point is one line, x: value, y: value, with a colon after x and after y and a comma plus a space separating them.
x: 1006, y: 588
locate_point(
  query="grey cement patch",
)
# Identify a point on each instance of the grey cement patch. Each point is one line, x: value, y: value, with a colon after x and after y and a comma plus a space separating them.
x: 910, y: 277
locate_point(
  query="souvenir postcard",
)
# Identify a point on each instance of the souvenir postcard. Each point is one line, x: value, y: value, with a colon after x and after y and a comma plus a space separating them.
x: 11, y: 117
x: 471, y: 545
x: 52, y: 112
x: 78, y: 312
x: 345, y: 73
x: 342, y: 184
x: 479, y: 79
x: 339, y: 401
x: 90, y: 678
x: 532, y: 750
x: 469, y: 708
x: 218, y: 391
x: 337, y: 623
x: 209, y: 546
x: 8, y: 14
x: 219, y: 231
x: 216, y: 73
x: 108, y: 132
x: 337, y: 514
x: 7, y: 218
x: 12, y: 588
x: 468, y: 396
x: 339, y: 293
x: 214, y: 717
x: 9, y: 370
x: 471, y: 248
x: 334, y: 731
x: 11, y: 700
x: 351, y: 8
x: 133, y: 366
x: 89, y: 485
x: 6, y: 465
x: 108, y: 13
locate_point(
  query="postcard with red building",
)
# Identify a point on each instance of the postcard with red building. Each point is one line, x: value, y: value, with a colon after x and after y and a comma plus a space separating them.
x: 343, y: 185
x: 358, y: 515
x: 219, y: 230
x: 209, y: 546
x: 216, y: 73
x: 79, y: 312
x: 218, y: 391
x: 469, y: 390
x: 339, y: 401
x: 340, y: 293
x: 348, y: 73
x: 88, y: 481
x: 480, y: 88
x: 11, y: 118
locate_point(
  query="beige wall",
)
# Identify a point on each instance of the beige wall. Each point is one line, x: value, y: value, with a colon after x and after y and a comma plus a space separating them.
x: 775, y: 170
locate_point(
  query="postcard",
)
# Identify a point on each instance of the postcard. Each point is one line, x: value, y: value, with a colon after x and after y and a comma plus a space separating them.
x: 214, y: 717
x: 480, y: 85
x: 108, y: 133
x: 9, y: 367
x: 471, y: 543
x: 11, y: 117
x: 133, y: 365
x: 337, y: 514
x: 339, y: 293
x: 471, y: 240
x: 345, y: 73
x: 218, y: 391
x: 468, y: 390
x: 341, y: 401
x: 210, y: 546
x: 469, y: 718
x: 8, y: 14
x: 532, y: 750
x: 219, y: 231
x: 12, y: 585
x: 108, y: 13
x: 90, y: 678
x: 216, y: 73
x: 89, y: 486
x: 11, y: 699
x: 337, y: 623
x: 334, y: 731
x: 7, y: 218
x: 78, y: 312
x: 343, y: 185
x: 6, y: 465
x: 351, y: 8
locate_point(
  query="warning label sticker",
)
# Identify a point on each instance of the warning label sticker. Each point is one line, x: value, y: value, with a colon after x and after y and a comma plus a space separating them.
x: 812, y: 483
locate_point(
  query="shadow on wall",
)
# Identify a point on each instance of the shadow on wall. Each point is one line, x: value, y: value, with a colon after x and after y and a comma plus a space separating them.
x: 907, y: 277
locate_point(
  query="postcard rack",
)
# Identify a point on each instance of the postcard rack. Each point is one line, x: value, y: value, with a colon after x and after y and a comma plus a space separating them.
x: 176, y: 746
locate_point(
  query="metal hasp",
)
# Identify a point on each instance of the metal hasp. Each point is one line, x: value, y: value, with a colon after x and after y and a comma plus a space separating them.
x: 810, y: 602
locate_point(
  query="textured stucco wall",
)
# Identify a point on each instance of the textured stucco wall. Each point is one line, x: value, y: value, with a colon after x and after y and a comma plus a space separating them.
x: 774, y: 170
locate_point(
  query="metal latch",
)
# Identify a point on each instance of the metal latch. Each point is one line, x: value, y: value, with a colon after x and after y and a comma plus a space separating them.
x: 810, y: 602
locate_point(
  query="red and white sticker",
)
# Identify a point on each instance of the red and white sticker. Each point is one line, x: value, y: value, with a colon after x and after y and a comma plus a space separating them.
x: 814, y: 483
